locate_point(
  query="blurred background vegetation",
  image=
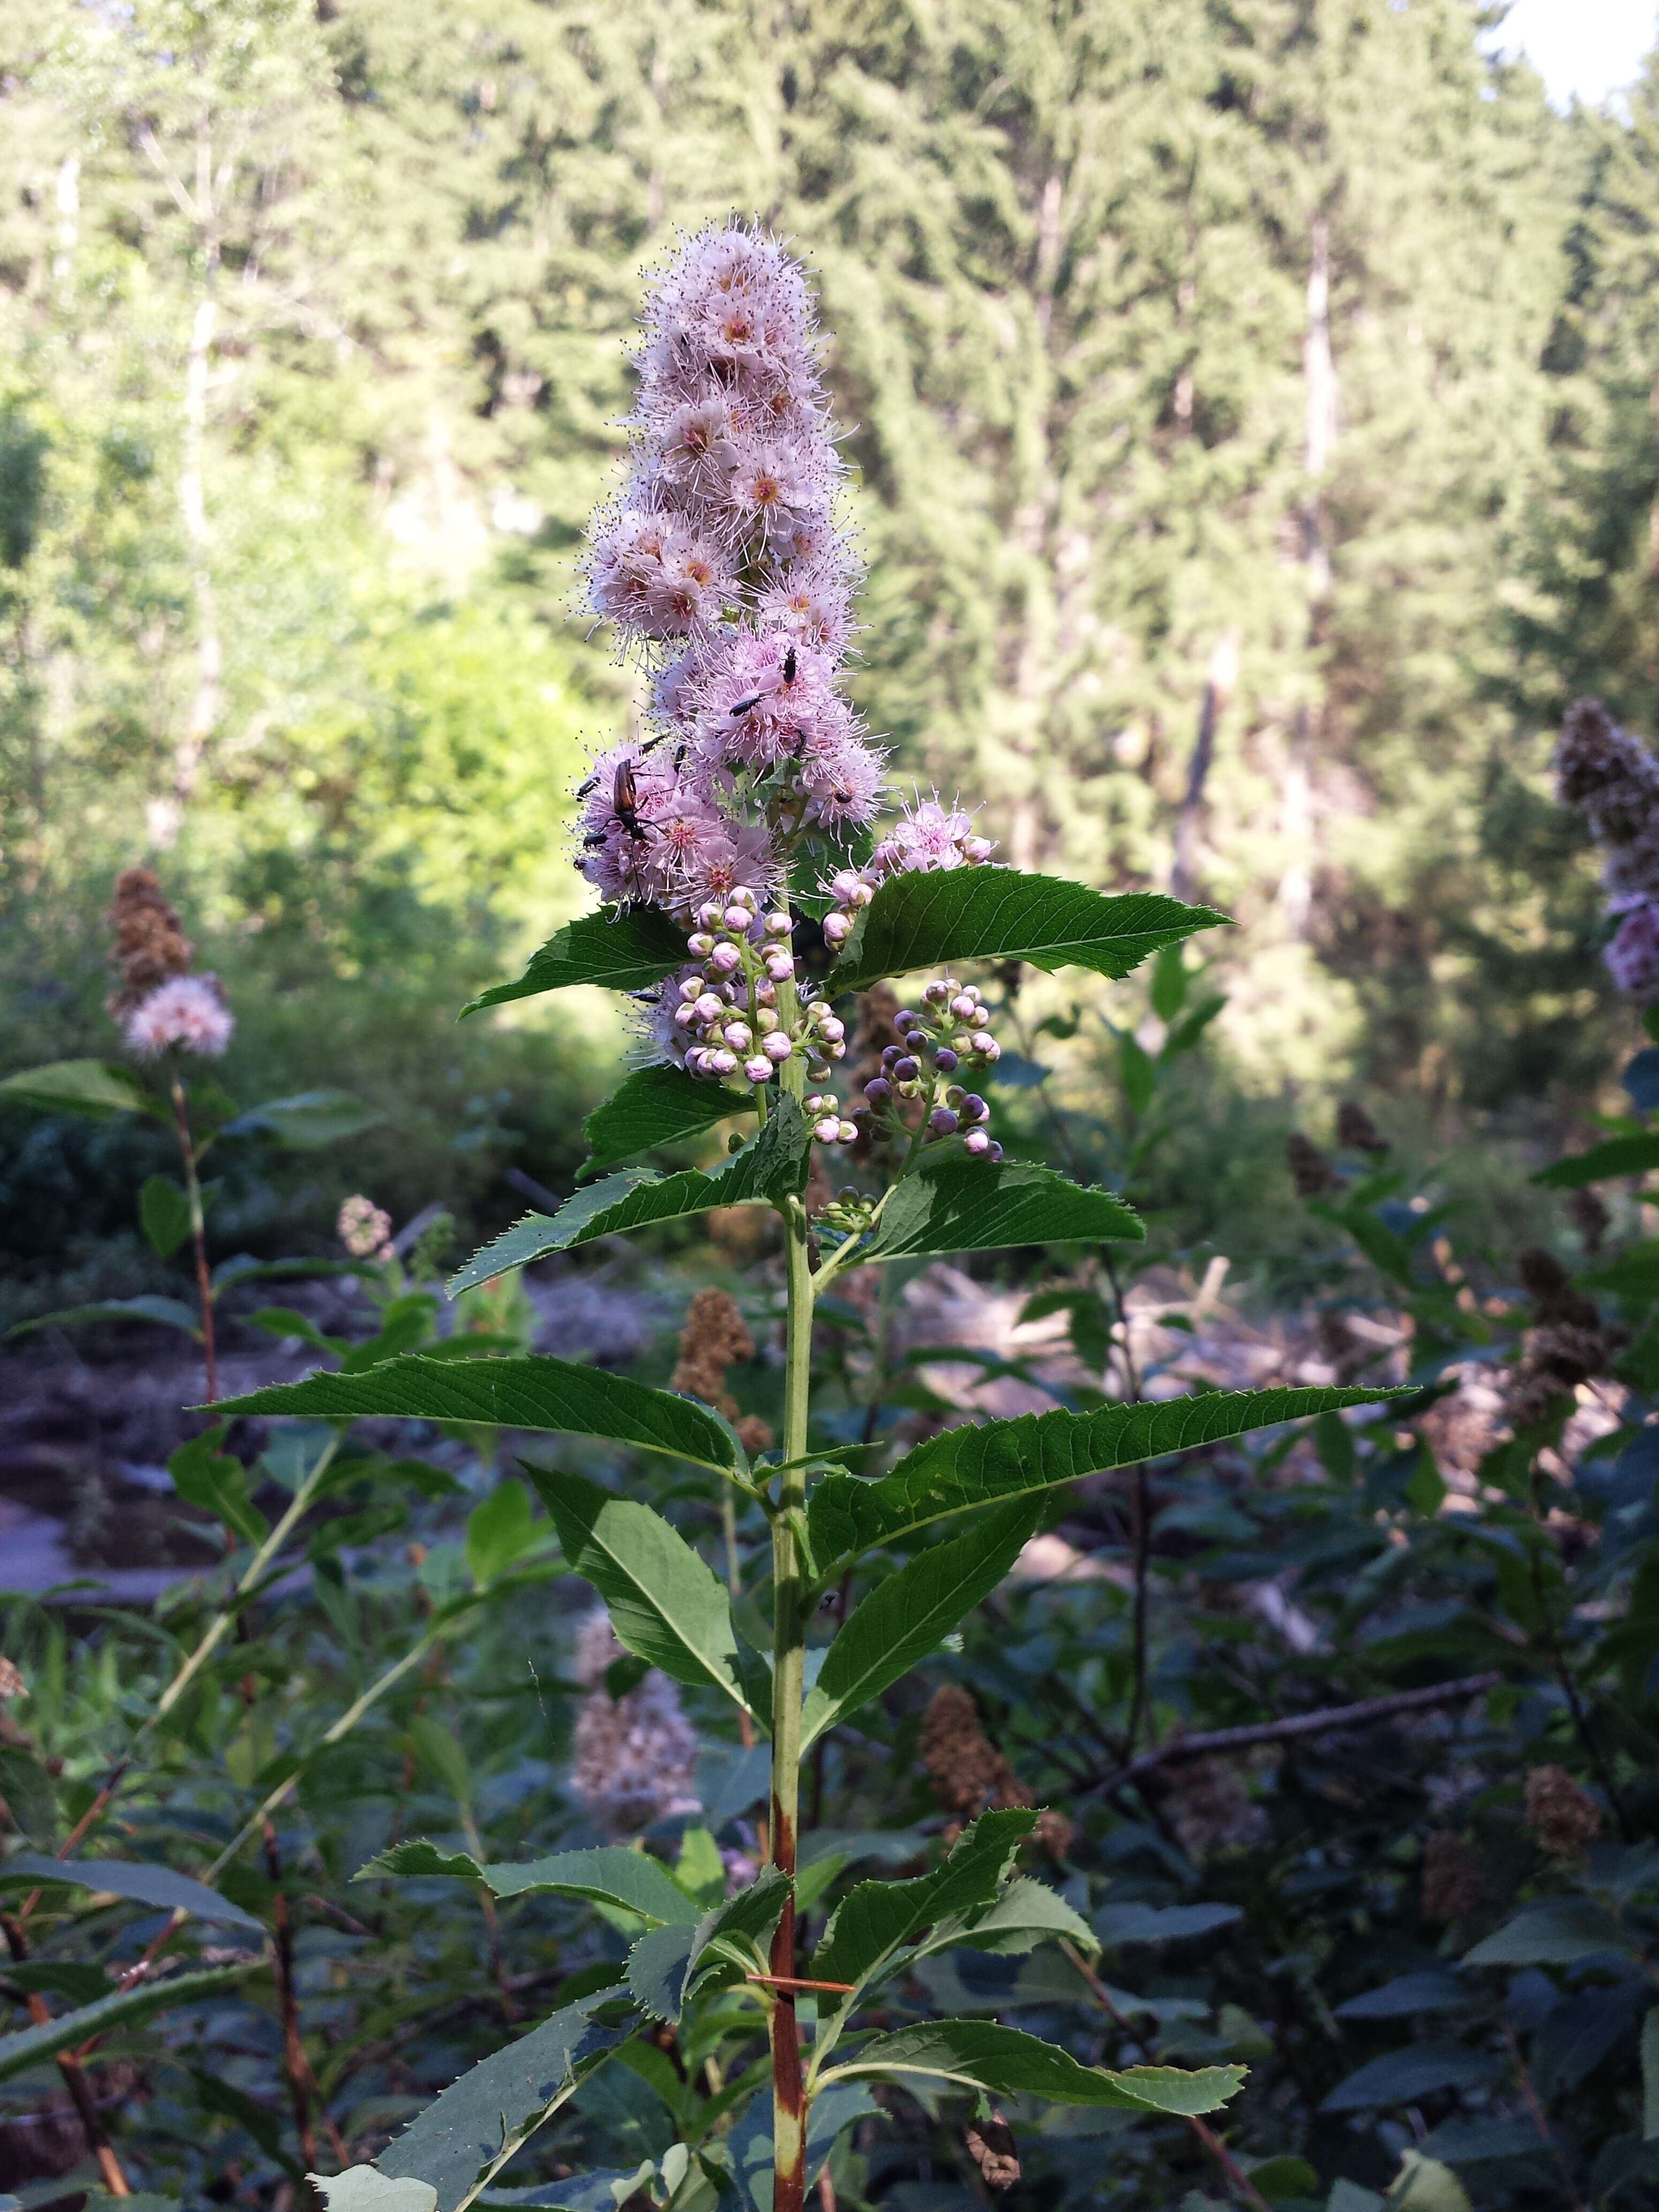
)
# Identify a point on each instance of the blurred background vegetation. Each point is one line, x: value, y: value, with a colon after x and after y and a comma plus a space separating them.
x: 1254, y: 450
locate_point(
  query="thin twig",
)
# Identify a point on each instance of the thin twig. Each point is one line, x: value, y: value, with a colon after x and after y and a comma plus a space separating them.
x: 1218, y: 1742
x: 295, y: 2066
x: 198, y: 1236
x: 75, y: 2080
x: 1540, y: 2118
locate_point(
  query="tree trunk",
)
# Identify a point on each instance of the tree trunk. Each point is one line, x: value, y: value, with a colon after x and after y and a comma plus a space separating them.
x: 1217, y: 690
x: 1322, y: 400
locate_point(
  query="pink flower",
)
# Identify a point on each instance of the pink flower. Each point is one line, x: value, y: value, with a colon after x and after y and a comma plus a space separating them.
x: 811, y: 601
x: 1632, y: 957
x: 841, y: 776
x: 188, y: 1012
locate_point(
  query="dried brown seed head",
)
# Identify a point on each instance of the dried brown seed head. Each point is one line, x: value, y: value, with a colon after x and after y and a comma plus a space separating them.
x: 1310, y: 1171
x: 1357, y: 1132
x: 150, y: 946
x: 1563, y: 1817
x: 1453, y: 1879
x: 970, y: 1775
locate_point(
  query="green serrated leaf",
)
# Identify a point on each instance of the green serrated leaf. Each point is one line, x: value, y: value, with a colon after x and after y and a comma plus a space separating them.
x: 1027, y: 1913
x: 205, y: 1476
x: 137, y: 1879
x: 499, y: 1532
x: 1620, y: 1156
x: 771, y: 1165
x: 627, y: 1881
x: 617, y: 949
x: 968, y: 1466
x: 91, y: 1087
x: 873, y: 1922
x: 666, y: 1968
x: 955, y: 1204
x: 164, y: 1214
x: 930, y: 921
x: 456, y: 2144
x: 655, y: 1106
x: 1402, y: 2076
x: 979, y: 2054
x: 307, y: 1121
x: 907, y: 1615
x: 30, y: 2045
x: 532, y: 1393
x: 665, y: 1603
x: 360, y: 2188
x: 1557, y: 1934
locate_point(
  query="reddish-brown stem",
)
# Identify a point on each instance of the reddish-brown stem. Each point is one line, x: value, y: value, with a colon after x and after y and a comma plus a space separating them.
x: 789, y: 2088
x: 198, y: 1236
x: 296, y: 2065
x: 75, y: 2080
x: 800, y: 1982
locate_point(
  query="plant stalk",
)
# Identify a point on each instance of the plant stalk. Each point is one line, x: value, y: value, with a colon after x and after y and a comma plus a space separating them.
x: 788, y: 1663
x: 198, y: 1235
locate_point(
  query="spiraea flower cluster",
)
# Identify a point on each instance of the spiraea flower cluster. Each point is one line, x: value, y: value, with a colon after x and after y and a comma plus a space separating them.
x: 737, y: 1008
x: 364, y: 1229
x: 158, y: 1002
x: 722, y: 567
x: 635, y: 1755
x: 188, y: 1013
x: 1611, y: 779
x: 928, y: 836
x: 951, y: 1033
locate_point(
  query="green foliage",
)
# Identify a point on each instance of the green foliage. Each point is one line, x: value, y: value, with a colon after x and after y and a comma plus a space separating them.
x: 977, y: 2054
x: 28, y: 2046
x: 655, y: 1106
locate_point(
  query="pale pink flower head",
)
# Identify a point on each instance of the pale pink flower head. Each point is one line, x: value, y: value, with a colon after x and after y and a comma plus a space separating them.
x: 747, y: 856
x: 364, y: 1229
x: 810, y: 601
x: 760, y: 699
x: 695, y: 448
x: 842, y: 778
x: 929, y: 836
x: 186, y: 1012
x: 1632, y: 957
x: 778, y: 487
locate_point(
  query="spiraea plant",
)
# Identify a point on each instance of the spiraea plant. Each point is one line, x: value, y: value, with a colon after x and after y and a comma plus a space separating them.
x: 734, y: 842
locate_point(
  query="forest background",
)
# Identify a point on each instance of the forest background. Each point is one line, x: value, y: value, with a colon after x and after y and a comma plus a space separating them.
x: 1254, y: 451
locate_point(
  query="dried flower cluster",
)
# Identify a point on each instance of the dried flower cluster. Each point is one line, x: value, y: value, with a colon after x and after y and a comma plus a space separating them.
x: 1567, y: 1345
x: 1611, y: 779
x: 1454, y: 1879
x: 716, y: 1337
x: 1310, y: 1170
x: 158, y: 1002
x: 1355, y: 1132
x: 364, y: 1229
x: 1563, y: 1817
x: 990, y: 2143
x: 1210, y: 1809
x: 970, y: 1775
x: 637, y: 1755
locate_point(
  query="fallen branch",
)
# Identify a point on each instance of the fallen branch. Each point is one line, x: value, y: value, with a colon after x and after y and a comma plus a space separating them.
x: 1219, y: 1743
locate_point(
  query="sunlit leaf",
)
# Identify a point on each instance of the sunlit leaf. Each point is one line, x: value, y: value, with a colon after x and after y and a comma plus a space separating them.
x: 907, y: 1615
x: 770, y: 1165
x: 532, y: 1393
x: 667, y: 1968
x: 629, y: 1880
x: 91, y: 1087
x: 930, y: 921
x: 619, y: 951
x: 665, y: 1603
x: 655, y: 1106
x: 308, y: 1120
x: 955, y: 1204
x: 977, y: 1465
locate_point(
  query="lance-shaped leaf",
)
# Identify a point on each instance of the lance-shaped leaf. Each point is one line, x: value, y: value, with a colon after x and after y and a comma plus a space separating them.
x: 908, y: 1615
x: 666, y: 1968
x: 979, y: 1465
x: 611, y: 1874
x: 30, y: 2045
x: 137, y: 1879
x: 920, y: 920
x: 978, y: 2054
x: 665, y: 1603
x: 874, y: 1920
x: 770, y: 1166
x: 535, y: 1393
x: 655, y: 1106
x: 166, y: 1313
x: 1620, y: 1156
x: 91, y: 1087
x: 476, y: 2125
x: 619, y: 951
x: 955, y: 1204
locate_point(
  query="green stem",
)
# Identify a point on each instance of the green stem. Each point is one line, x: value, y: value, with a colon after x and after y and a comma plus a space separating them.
x: 789, y: 1664
x: 198, y: 1235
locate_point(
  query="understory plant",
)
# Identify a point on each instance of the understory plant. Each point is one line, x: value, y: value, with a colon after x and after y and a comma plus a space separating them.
x: 749, y: 901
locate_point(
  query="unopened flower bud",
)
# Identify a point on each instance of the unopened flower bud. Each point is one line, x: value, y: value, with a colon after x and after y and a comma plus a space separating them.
x: 995, y: 1152
x: 847, y: 1132
x: 759, y: 1069
x: 934, y: 992
x: 974, y: 1108
x: 737, y: 918
x: 828, y: 1130
x: 685, y: 1016
x: 739, y: 1036
x: 988, y: 1047
x: 744, y: 899
x: 765, y: 995
x: 778, y: 966
x: 725, y: 959
x: 700, y: 945
x: 942, y: 1121
x: 710, y: 1007
x: 946, y: 1060
x: 817, y: 1071
x: 722, y: 1063
x: 979, y: 1042
x: 904, y: 1019
x: 778, y: 924
x: 978, y: 1142
x: 691, y: 988
x: 766, y: 1020
x: 836, y: 929
x: 837, y: 1050
x: 776, y: 1046
x: 711, y: 914
x: 905, y: 1070
x: 962, y: 1006
x: 877, y: 1091
x: 862, y: 894
x: 843, y: 884
x: 891, y: 1053
x: 829, y: 1027
x: 976, y: 850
